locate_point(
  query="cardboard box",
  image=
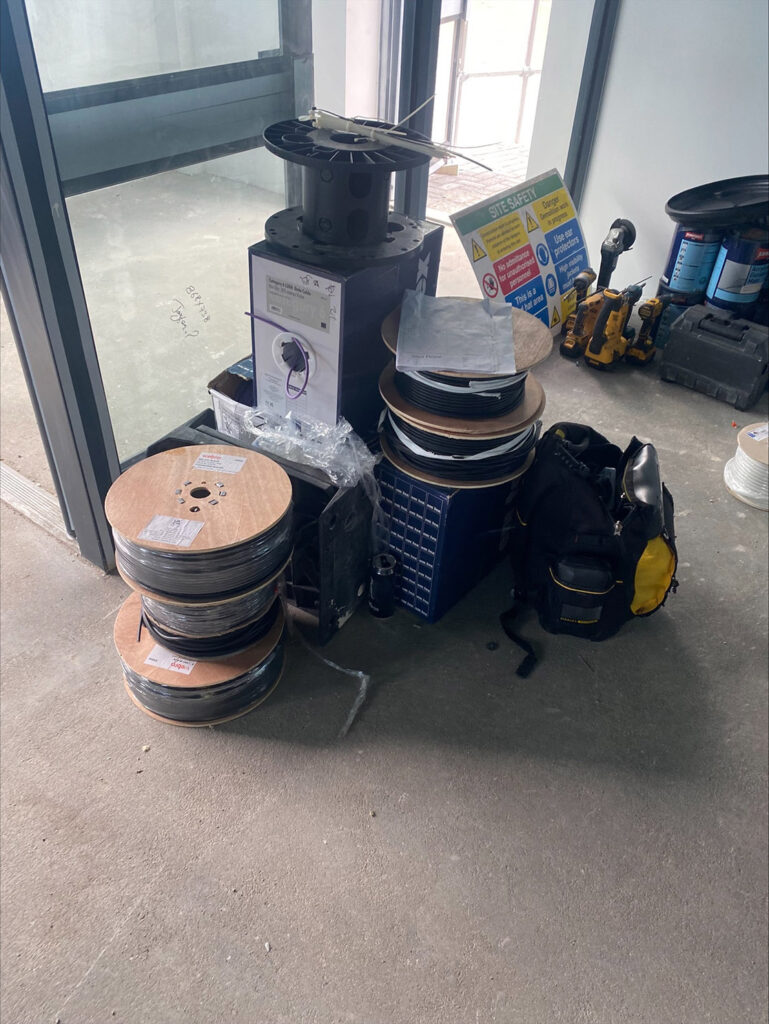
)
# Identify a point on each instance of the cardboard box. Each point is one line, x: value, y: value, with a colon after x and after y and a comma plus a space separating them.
x: 232, y: 396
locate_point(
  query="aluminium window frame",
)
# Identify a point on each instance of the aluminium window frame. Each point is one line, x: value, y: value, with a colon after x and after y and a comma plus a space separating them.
x: 39, y: 272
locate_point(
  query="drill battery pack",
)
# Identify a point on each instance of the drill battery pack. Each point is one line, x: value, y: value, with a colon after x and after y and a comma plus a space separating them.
x: 718, y: 354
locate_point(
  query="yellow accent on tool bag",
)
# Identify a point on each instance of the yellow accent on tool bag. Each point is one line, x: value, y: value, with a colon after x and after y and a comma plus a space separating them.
x: 653, y: 576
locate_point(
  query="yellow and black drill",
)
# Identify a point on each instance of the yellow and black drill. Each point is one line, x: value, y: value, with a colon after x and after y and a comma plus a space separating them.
x: 610, y: 341
x: 580, y: 286
x: 581, y: 326
x: 642, y: 348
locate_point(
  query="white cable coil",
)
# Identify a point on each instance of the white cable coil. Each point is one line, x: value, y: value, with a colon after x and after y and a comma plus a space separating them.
x: 507, y: 446
x: 748, y: 479
x: 485, y: 387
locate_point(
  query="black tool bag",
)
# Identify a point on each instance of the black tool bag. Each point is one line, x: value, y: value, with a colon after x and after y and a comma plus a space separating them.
x: 593, y: 543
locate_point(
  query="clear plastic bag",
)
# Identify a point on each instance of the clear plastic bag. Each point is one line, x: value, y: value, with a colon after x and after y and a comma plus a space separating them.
x: 337, y: 450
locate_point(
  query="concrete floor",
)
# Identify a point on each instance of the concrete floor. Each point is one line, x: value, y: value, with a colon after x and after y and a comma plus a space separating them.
x: 586, y: 846
x: 20, y: 444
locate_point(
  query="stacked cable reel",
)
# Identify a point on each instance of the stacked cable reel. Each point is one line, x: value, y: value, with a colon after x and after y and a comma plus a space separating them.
x: 459, y: 430
x: 202, y: 536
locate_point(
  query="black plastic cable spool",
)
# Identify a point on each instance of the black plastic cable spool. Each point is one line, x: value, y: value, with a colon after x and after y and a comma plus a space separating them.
x: 722, y: 204
x: 345, y: 181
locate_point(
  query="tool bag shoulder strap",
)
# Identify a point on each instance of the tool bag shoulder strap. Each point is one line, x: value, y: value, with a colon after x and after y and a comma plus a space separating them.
x: 593, y: 542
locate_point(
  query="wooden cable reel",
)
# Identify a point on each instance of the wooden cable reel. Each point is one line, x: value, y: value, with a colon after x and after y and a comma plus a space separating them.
x: 201, y: 523
x: 517, y: 430
x: 202, y: 535
x: 533, y: 340
x: 182, y: 691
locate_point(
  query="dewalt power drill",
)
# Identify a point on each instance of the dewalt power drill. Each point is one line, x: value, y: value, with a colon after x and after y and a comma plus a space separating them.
x: 575, y: 332
x: 642, y: 349
x: 582, y: 326
x: 580, y: 286
x: 610, y: 341
x: 620, y: 238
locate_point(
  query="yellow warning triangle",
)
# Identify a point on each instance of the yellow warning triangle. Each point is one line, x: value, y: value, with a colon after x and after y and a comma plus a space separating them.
x: 531, y: 224
x: 478, y: 253
x: 554, y: 319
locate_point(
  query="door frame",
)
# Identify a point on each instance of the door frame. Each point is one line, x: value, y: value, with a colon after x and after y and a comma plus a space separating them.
x: 45, y: 300
x: 39, y: 273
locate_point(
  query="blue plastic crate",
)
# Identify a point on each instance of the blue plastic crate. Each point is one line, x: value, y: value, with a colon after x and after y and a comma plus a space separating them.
x: 444, y: 541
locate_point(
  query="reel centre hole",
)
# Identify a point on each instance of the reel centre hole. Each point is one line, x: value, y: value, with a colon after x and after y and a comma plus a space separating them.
x: 199, y: 492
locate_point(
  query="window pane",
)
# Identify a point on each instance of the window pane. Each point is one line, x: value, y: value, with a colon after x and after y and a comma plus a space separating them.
x: 87, y: 42
x: 165, y: 270
x: 497, y: 35
x: 163, y: 254
x: 488, y: 110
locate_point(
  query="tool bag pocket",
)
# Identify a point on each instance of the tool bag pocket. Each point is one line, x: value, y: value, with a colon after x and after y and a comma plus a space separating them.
x: 655, y: 570
x: 579, y: 591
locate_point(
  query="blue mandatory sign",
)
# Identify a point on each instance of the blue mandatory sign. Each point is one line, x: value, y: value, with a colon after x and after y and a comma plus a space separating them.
x: 550, y: 284
x: 568, y: 269
x: 543, y: 254
x: 530, y: 297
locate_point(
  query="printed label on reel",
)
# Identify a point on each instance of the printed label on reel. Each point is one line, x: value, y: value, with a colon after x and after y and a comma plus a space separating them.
x: 171, y: 530
x: 219, y: 463
x: 162, y: 658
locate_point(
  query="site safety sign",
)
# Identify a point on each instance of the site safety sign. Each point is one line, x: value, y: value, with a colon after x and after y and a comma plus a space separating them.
x: 526, y: 247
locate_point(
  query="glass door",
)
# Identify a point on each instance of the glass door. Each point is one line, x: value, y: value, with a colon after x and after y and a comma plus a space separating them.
x: 134, y: 178
x: 156, y: 110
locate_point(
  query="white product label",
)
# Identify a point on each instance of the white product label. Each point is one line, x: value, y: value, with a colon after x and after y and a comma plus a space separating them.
x: 171, y: 530
x: 162, y: 658
x: 283, y: 299
x: 301, y: 301
x: 760, y: 433
x: 217, y: 463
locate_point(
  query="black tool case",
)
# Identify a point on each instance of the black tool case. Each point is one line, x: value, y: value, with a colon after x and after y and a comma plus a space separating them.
x: 715, y: 352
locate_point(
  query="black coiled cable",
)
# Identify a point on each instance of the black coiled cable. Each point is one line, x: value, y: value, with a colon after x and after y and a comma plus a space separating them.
x: 442, y: 445
x: 455, y: 463
x: 199, y: 705
x: 210, y: 619
x: 210, y: 648
x: 496, y: 399
x: 207, y: 575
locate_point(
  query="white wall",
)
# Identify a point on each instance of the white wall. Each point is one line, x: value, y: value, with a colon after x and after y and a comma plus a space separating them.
x: 329, y: 52
x: 685, y: 103
x: 561, y: 75
x: 362, y: 63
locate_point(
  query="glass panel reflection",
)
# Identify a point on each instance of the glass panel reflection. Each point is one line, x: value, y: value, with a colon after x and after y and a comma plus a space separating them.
x: 87, y: 42
x: 165, y: 271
